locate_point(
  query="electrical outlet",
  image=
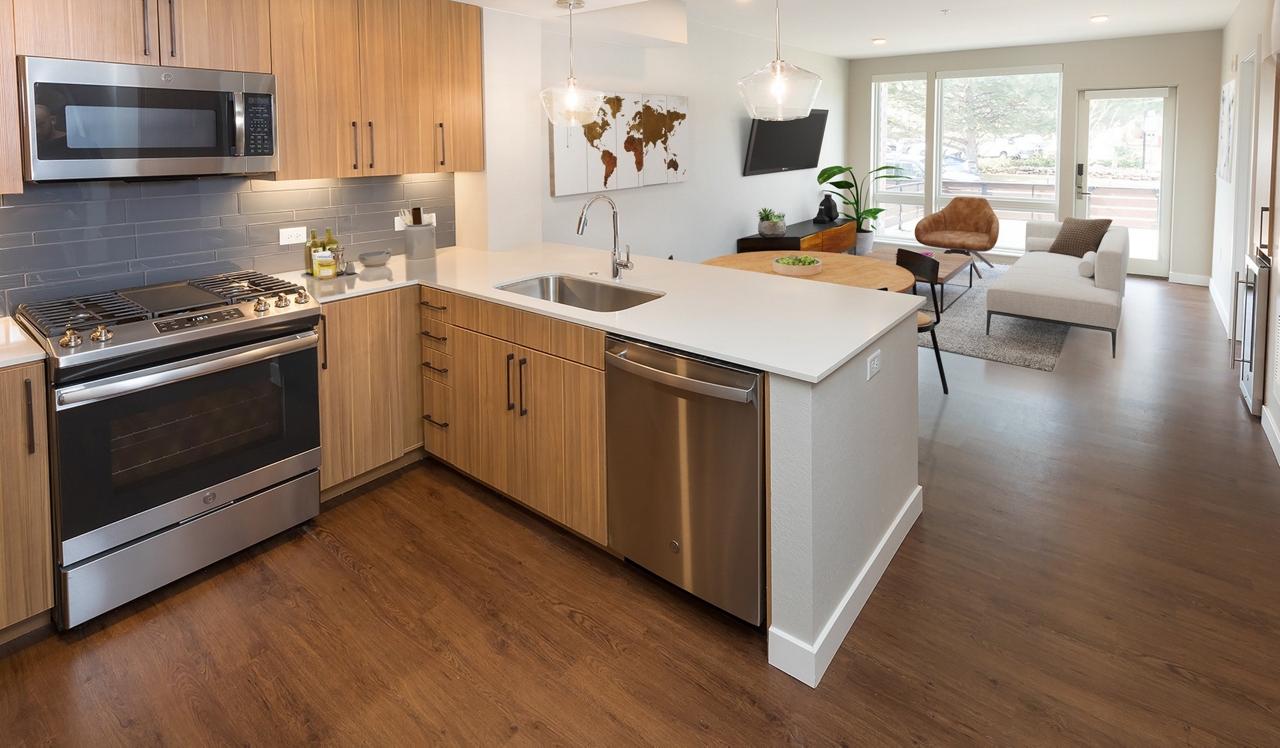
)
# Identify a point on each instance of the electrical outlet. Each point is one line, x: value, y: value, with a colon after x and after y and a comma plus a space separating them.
x: 873, y: 365
x: 295, y: 235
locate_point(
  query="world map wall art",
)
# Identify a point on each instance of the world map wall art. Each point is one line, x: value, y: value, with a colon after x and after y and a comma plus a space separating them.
x: 637, y: 140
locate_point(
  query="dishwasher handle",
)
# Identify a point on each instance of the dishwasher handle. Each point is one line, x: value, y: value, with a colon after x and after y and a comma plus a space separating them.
x: 681, y: 383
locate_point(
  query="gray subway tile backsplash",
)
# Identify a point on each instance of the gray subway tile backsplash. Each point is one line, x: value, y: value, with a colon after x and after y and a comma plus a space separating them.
x: 74, y: 238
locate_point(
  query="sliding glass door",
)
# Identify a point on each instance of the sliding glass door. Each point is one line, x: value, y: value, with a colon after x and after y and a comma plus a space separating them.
x: 1124, y: 168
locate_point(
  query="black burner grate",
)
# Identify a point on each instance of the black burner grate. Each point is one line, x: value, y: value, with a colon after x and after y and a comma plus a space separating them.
x: 82, y: 313
x: 244, y: 285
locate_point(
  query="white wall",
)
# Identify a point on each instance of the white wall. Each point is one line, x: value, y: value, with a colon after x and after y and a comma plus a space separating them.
x: 704, y: 216
x: 1188, y: 61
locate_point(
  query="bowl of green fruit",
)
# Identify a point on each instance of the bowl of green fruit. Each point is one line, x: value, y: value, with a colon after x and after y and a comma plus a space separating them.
x: 797, y: 265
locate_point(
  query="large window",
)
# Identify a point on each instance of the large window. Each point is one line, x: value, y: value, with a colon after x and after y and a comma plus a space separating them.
x: 995, y: 135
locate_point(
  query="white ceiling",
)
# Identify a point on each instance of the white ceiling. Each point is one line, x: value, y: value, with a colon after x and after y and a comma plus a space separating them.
x: 845, y: 28
x: 546, y: 8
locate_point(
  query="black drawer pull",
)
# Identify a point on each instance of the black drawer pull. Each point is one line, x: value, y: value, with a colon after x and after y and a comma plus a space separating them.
x: 31, y: 421
x: 511, y: 405
x: 434, y: 422
x: 441, y: 338
x: 429, y: 305
x: 435, y: 369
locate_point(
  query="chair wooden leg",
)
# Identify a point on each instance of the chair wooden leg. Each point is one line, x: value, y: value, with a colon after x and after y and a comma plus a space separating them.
x: 933, y: 335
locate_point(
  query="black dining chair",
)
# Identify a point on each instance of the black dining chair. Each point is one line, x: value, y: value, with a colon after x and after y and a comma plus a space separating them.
x: 925, y: 323
x: 925, y: 269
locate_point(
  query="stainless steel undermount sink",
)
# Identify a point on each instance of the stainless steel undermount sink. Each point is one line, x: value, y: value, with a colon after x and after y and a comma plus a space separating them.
x: 580, y: 292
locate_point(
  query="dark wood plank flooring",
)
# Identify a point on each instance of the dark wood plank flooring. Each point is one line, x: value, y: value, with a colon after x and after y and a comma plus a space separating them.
x: 1098, y: 563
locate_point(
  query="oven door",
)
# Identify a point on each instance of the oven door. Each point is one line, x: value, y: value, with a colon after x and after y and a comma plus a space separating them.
x: 142, y: 451
x: 93, y: 120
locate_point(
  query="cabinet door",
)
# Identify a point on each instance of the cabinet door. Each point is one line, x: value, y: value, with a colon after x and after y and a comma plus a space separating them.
x: 409, y: 367
x: 541, y: 431
x: 10, y: 148
x: 380, y: 87
x: 26, y: 552
x: 315, y: 54
x: 361, y: 413
x: 216, y: 34
x: 419, y: 135
x: 584, y: 462
x: 102, y: 30
x: 486, y: 441
x: 459, y: 65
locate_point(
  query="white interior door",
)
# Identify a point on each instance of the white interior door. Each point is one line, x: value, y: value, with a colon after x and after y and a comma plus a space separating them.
x: 1124, y: 168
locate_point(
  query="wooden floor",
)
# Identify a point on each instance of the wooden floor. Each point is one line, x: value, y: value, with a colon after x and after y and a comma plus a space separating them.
x: 1098, y: 563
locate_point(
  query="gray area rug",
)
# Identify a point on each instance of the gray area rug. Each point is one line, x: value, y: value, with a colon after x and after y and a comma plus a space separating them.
x: 1021, y: 342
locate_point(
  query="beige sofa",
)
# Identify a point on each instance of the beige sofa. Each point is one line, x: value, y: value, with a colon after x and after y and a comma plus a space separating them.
x: 1050, y: 287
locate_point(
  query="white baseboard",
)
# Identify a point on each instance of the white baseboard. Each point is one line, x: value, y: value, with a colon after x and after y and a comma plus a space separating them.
x: 1187, y: 279
x: 1224, y: 313
x: 807, y: 662
x: 1272, y: 432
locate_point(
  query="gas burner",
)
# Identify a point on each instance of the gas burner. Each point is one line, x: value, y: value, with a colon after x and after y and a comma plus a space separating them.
x: 244, y: 285
x: 55, y: 317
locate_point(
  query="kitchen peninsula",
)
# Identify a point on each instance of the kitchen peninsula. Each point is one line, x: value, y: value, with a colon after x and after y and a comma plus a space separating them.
x: 841, y: 455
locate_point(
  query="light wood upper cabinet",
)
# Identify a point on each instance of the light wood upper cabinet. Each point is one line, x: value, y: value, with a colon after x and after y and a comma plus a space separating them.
x: 380, y: 89
x: 104, y: 30
x: 26, y: 552
x: 365, y: 408
x: 419, y: 135
x: 459, y: 66
x: 216, y: 34
x: 10, y: 145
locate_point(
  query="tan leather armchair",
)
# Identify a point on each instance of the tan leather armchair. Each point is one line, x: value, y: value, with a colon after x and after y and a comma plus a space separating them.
x: 967, y: 225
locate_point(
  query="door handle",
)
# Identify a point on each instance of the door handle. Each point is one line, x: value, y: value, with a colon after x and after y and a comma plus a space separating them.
x: 31, y: 421
x: 510, y: 403
x: 1262, y: 229
x: 442, y: 152
x: 173, y: 29
x: 523, y: 410
x: 146, y: 29
x: 324, y: 339
x: 435, y: 369
x: 678, y: 382
x: 429, y: 305
x: 434, y: 422
x: 355, y: 144
x: 441, y: 338
x: 371, y: 151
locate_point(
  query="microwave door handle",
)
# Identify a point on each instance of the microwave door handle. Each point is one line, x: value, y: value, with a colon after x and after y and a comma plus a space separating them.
x: 238, y: 123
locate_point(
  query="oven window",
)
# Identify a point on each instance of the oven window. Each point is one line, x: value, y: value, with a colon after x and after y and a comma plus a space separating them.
x: 132, y: 127
x: 124, y: 455
x: 153, y: 443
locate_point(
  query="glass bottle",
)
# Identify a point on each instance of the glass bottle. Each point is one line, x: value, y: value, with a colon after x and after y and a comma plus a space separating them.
x: 309, y: 249
x: 331, y: 245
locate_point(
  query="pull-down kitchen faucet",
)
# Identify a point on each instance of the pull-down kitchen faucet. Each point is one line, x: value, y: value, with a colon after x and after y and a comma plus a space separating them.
x: 618, y: 264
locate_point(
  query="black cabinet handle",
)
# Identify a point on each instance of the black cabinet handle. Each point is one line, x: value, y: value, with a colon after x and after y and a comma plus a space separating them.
x: 442, y: 158
x: 435, y: 369
x: 523, y: 410
x: 173, y: 30
x: 441, y: 338
x: 434, y: 422
x: 146, y: 30
x: 1262, y: 229
x: 355, y: 144
x: 31, y: 421
x: 371, y: 151
x: 429, y: 305
x: 510, y: 404
x: 324, y: 340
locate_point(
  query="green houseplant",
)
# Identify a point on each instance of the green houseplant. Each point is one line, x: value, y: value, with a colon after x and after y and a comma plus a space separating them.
x: 856, y: 197
x: 772, y: 223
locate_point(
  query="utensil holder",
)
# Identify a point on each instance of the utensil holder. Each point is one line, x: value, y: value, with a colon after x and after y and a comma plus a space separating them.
x: 420, y: 242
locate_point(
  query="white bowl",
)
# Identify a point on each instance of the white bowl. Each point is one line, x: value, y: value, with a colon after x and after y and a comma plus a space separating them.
x: 375, y: 259
x: 797, y: 270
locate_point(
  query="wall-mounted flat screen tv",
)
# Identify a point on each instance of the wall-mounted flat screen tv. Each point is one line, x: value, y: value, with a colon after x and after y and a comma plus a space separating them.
x: 785, y: 146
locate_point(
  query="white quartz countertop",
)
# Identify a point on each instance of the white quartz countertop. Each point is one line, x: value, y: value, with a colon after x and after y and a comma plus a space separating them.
x: 789, y: 326
x: 15, y: 346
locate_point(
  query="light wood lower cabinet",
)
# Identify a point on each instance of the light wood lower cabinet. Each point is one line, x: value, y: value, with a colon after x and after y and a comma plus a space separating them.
x: 531, y: 425
x: 370, y: 396
x: 26, y: 552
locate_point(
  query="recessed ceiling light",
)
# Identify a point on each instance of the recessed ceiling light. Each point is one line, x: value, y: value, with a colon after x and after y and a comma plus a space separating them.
x: 878, y: 40
x: 1100, y: 19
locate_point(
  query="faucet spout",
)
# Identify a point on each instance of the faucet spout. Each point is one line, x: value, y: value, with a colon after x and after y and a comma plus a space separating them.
x: 618, y: 262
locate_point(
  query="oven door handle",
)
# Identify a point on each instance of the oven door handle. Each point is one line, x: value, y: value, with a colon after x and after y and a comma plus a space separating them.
x: 125, y: 384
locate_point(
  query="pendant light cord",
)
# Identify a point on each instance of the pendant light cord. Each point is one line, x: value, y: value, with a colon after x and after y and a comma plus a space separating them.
x: 777, y: 30
x: 571, y: 38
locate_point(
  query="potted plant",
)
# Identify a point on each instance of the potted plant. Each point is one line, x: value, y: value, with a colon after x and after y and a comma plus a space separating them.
x: 772, y: 223
x: 854, y: 194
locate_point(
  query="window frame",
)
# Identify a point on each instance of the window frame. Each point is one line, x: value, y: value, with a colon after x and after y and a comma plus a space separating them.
x: 876, y: 196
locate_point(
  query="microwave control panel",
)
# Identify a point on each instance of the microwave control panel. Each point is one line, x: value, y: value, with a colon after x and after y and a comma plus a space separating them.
x: 258, y: 140
x: 198, y: 320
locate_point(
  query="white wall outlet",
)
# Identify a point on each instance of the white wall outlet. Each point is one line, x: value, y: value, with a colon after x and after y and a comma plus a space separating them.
x: 295, y: 235
x: 398, y: 223
x: 873, y: 365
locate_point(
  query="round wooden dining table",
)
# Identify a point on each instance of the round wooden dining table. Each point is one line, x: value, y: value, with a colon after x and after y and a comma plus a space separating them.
x: 846, y: 270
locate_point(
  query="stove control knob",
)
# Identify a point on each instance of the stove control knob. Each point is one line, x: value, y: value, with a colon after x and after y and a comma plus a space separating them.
x: 101, y: 335
x: 70, y: 339
x: 282, y: 301
x: 262, y: 305
x: 302, y: 297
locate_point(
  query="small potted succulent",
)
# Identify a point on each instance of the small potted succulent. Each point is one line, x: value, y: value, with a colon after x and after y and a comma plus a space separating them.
x: 772, y: 223
x: 854, y: 195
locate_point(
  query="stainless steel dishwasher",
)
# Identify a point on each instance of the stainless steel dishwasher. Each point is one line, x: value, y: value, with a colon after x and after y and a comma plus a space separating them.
x: 686, y: 492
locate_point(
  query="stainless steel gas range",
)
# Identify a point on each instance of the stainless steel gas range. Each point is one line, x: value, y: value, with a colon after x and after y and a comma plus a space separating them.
x: 184, y: 427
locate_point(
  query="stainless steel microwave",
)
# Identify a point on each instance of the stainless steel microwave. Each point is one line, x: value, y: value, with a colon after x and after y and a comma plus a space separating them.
x: 102, y: 120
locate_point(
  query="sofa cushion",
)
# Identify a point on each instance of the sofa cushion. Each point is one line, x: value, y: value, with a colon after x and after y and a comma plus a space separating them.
x: 1080, y: 236
x: 1087, y: 263
x: 957, y: 240
x: 1049, y: 286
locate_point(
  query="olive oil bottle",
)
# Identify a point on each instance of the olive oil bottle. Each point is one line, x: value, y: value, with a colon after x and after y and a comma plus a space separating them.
x: 331, y: 245
x: 313, y: 244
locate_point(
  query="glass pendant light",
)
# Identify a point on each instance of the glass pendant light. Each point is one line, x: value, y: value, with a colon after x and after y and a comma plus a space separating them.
x: 779, y: 91
x: 570, y: 104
